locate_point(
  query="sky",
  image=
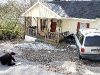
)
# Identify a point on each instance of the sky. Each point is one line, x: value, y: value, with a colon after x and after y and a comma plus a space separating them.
x: 20, y: 1
x: 4, y: 1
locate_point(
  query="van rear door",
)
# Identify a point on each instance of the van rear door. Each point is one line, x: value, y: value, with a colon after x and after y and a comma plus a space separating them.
x: 92, y: 45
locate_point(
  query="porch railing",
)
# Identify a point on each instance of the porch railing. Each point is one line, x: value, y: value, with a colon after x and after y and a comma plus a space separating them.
x: 51, y: 36
x: 56, y: 36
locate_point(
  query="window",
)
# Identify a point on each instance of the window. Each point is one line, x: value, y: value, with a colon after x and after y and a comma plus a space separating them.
x: 78, y: 34
x: 43, y: 24
x: 80, y: 37
x: 92, y: 41
x: 82, y: 25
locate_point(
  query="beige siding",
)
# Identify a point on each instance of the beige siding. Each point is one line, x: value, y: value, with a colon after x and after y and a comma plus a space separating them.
x: 44, y: 12
x: 34, y: 21
x: 33, y: 12
x: 97, y: 24
x: 39, y: 10
x: 71, y: 24
x: 64, y: 25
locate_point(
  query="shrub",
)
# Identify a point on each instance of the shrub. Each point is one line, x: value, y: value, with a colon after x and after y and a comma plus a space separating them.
x: 8, y: 34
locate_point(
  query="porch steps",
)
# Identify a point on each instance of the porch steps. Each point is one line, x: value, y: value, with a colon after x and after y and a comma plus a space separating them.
x: 50, y: 42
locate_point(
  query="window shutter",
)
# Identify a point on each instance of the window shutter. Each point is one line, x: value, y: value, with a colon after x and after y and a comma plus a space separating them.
x: 78, y: 26
x: 88, y: 25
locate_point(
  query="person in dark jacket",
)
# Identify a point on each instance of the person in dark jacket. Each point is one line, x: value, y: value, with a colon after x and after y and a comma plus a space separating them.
x: 7, y: 59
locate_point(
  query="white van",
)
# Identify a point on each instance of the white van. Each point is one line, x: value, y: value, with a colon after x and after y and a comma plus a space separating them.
x: 88, y: 43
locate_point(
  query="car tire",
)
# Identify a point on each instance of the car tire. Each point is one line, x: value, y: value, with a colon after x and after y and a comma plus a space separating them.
x: 79, y: 56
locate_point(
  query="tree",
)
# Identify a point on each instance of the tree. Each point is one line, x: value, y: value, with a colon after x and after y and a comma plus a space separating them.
x: 10, y: 12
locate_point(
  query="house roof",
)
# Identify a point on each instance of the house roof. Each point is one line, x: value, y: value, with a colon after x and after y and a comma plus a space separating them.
x: 69, y: 9
x: 56, y: 8
x: 77, y: 9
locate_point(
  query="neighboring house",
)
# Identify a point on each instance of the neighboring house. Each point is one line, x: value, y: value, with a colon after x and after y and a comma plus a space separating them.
x: 61, y: 17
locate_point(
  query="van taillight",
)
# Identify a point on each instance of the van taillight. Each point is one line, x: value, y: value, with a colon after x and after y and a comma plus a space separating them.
x: 82, y: 50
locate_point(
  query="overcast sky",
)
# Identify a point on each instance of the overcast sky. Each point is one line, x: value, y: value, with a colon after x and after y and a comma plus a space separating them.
x: 4, y: 1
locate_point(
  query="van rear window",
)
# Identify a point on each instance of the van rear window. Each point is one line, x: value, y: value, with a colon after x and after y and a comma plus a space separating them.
x: 92, y: 41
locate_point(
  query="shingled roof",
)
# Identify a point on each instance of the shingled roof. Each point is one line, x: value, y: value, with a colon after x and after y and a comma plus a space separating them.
x: 76, y: 9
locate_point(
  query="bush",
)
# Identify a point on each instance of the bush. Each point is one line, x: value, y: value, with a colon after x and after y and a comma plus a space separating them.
x: 8, y: 34
x: 1, y: 37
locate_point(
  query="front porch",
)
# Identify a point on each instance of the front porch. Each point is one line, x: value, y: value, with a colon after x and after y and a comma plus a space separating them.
x: 48, y: 36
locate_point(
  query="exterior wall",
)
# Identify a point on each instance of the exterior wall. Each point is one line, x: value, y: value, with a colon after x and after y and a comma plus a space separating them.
x: 34, y: 10
x: 71, y: 24
x: 65, y: 25
x: 34, y: 21
x: 39, y: 10
x: 48, y: 23
x: 98, y: 24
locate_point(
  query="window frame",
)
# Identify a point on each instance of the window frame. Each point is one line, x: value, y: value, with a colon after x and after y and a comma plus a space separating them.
x: 80, y: 37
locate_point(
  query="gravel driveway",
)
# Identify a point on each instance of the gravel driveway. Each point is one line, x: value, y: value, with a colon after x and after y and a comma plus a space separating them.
x: 45, y: 59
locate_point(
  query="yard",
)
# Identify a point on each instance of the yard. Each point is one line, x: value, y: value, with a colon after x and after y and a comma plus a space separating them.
x: 40, y: 58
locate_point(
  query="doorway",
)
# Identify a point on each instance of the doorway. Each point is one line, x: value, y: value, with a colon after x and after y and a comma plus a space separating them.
x: 53, y: 26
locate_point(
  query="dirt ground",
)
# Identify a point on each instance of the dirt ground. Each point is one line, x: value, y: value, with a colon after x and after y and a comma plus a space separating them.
x: 64, y: 61
x: 61, y: 58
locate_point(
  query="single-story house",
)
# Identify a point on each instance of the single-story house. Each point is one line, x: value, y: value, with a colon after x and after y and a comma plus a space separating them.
x: 54, y: 18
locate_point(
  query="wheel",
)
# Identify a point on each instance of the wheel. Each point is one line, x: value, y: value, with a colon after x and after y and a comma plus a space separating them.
x: 79, y: 56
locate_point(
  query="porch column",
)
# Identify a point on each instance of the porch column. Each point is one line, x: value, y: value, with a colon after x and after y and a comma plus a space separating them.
x: 60, y: 29
x: 58, y: 38
x: 37, y: 27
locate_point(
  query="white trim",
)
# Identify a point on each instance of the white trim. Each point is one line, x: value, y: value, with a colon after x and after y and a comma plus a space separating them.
x: 78, y: 19
x: 38, y: 3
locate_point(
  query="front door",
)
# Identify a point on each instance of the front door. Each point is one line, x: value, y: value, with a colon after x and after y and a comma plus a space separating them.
x: 53, y: 26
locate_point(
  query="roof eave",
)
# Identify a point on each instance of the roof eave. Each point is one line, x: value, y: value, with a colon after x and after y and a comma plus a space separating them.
x: 72, y: 18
